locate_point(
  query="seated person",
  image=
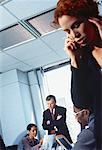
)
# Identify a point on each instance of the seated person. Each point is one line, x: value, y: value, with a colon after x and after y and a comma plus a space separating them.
x: 2, y: 145
x: 86, y: 138
x: 30, y: 142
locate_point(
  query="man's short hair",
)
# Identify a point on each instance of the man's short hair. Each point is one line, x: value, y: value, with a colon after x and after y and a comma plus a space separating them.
x: 49, y: 97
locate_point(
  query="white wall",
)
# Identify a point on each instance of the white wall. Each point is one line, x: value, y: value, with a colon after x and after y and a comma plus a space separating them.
x: 16, y: 109
x: 37, y: 99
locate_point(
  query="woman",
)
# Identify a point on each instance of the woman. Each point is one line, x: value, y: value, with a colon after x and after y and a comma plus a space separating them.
x: 81, y: 21
x: 30, y: 142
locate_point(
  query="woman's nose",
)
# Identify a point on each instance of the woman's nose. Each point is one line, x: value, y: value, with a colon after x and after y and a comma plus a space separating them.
x: 75, y: 34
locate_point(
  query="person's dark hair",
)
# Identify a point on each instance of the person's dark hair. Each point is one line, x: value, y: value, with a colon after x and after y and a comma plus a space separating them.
x: 88, y: 108
x: 76, y: 8
x: 30, y: 126
x: 2, y: 144
x: 49, y: 97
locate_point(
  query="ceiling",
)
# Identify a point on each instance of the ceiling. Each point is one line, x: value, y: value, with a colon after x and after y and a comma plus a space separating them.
x: 38, y: 51
x: 24, y: 47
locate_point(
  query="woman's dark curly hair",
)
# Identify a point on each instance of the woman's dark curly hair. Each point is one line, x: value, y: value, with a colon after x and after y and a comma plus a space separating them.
x: 30, y: 126
x: 76, y: 8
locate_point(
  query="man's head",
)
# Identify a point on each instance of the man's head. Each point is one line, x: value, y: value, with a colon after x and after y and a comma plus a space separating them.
x: 82, y: 115
x: 51, y: 101
x: 32, y: 130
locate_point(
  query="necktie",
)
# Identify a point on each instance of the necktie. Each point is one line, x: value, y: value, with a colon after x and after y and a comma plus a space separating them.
x: 53, y: 114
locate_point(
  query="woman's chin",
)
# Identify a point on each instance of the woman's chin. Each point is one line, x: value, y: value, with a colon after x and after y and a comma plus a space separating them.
x: 83, y: 45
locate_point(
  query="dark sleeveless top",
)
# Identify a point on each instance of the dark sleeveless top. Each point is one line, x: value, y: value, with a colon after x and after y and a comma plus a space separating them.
x: 86, y: 88
x: 86, y: 82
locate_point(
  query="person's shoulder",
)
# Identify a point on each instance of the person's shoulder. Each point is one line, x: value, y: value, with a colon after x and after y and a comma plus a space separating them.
x: 86, y: 135
x: 24, y: 139
x: 45, y: 111
x: 22, y: 142
x: 61, y: 108
x: 85, y: 140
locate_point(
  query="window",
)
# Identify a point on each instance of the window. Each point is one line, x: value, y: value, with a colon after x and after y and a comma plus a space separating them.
x: 58, y: 83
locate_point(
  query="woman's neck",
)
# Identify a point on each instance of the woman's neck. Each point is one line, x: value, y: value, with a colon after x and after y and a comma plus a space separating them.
x: 97, y: 54
x: 31, y: 137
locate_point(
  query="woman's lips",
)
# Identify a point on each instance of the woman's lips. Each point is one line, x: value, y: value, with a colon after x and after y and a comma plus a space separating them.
x: 82, y: 41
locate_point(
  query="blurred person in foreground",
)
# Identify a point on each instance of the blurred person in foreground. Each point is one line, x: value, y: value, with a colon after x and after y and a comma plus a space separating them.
x: 86, y: 139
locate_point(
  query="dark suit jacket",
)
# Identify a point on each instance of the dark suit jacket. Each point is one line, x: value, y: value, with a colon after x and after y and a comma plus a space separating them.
x: 49, y: 123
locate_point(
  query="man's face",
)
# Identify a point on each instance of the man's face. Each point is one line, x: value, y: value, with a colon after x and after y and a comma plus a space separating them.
x: 51, y: 103
x: 81, y: 115
x: 78, y: 29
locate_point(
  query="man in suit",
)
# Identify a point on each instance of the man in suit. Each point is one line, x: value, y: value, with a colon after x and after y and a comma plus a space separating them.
x: 54, y: 118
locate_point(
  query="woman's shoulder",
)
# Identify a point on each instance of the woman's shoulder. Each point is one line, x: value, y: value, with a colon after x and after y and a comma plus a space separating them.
x: 25, y: 139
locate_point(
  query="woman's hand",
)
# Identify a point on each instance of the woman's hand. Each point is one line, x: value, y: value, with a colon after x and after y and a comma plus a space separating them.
x: 70, y: 48
x: 41, y: 141
x: 98, y: 23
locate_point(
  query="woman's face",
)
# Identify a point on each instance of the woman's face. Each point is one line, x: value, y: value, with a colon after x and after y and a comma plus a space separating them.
x: 33, y: 132
x: 78, y: 29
